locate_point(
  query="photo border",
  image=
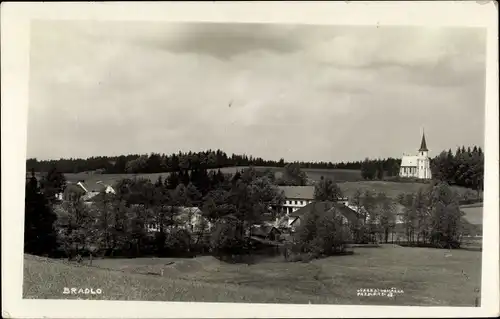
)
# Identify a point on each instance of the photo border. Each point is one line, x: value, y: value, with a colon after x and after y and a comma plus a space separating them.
x: 15, y: 46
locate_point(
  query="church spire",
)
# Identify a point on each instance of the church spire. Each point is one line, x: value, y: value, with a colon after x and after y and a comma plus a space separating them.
x: 423, y: 144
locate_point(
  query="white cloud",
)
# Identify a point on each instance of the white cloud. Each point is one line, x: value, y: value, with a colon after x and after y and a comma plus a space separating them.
x: 109, y: 90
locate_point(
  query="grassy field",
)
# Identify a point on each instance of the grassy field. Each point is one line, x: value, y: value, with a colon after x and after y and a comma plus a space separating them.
x: 428, y: 277
x: 315, y: 174
x: 391, y: 189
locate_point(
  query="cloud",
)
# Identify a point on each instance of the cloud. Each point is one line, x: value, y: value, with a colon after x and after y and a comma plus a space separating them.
x: 300, y: 92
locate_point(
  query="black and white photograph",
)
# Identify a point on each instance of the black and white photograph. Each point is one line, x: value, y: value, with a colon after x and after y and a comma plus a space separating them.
x: 240, y: 162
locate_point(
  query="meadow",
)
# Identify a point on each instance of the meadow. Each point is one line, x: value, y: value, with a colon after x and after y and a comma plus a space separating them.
x: 473, y: 213
x: 427, y: 277
x: 339, y: 175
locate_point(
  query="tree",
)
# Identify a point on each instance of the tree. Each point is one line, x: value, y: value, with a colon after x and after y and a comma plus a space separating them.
x: 421, y: 215
x: 368, y: 170
x: 293, y: 175
x: 137, y: 165
x: 180, y: 196
x: 74, y: 225
x: 387, y: 215
x: 445, y: 216
x: 193, y: 195
x: 137, y: 217
x: 327, y: 190
x: 173, y: 180
x: 409, y: 214
x: 322, y: 234
x: 39, y: 231
x: 264, y: 195
x: 52, y: 184
x: 227, y: 237
x: 359, y: 227
x: 216, y: 205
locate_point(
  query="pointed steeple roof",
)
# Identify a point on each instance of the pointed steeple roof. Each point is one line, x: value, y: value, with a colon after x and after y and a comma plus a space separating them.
x: 423, y: 144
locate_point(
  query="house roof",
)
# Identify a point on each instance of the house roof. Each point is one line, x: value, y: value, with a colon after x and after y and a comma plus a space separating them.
x: 89, y: 195
x: 298, y: 192
x: 263, y: 230
x: 409, y: 161
x: 326, y: 207
x: 347, y: 212
x: 70, y: 187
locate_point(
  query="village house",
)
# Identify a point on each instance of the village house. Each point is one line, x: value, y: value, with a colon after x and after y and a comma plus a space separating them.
x: 265, y: 232
x: 296, y: 197
x: 293, y: 220
x: 83, y: 191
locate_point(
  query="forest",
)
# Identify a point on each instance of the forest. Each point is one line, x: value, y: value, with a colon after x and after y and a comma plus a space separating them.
x: 462, y: 168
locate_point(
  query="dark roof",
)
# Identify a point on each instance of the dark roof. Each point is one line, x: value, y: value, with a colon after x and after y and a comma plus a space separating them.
x: 268, y: 217
x: 263, y: 230
x: 347, y: 212
x: 325, y: 207
x: 74, y: 189
x: 298, y: 192
x: 423, y: 144
x: 321, y: 207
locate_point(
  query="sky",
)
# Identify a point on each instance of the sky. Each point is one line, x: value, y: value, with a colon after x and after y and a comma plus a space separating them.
x: 298, y: 92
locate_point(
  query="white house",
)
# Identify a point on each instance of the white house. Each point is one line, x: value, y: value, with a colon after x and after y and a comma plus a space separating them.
x: 417, y: 166
x: 296, y: 197
x: 292, y: 221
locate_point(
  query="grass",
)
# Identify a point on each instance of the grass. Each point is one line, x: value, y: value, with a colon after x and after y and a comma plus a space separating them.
x: 340, y: 175
x: 391, y: 189
x: 426, y: 276
x: 473, y: 213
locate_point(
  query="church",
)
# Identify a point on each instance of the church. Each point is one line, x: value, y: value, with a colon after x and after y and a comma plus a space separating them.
x: 417, y: 166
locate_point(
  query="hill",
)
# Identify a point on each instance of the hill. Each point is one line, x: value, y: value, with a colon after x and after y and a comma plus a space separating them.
x: 348, y: 180
x: 339, y: 175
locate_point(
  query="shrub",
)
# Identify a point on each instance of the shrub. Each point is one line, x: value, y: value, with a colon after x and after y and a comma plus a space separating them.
x: 227, y: 238
x: 178, y: 241
x: 319, y: 235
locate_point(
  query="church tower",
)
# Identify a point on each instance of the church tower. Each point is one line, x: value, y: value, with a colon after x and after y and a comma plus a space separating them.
x: 423, y: 151
x: 423, y: 162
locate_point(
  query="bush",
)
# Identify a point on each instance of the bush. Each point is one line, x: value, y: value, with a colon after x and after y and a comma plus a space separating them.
x: 227, y: 239
x: 178, y: 241
x: 319, y: 235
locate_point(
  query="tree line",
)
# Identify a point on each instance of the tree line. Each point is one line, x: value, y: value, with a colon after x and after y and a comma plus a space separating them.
x: 154, y: 162
x: 378, y: 169
x: 464, y: 168
x: 160, y: 163
x: 432, y: 216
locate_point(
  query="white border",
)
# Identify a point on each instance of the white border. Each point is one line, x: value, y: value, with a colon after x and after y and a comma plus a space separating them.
x: 15, y: 19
